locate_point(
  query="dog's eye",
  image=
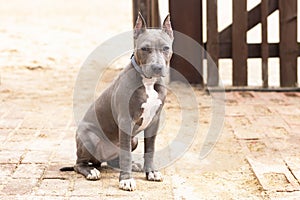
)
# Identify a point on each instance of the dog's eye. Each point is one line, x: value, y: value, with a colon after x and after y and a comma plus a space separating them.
x: 147, y: 49
x: 166, y: 48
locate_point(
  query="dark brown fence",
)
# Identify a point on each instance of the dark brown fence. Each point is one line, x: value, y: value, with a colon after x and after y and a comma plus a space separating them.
x: 232, y: 42
x: 149, y: 10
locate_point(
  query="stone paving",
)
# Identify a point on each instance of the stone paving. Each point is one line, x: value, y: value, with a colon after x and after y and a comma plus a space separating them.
x: 267, y: 128
x: 42, y: 48
x: 257, y: 155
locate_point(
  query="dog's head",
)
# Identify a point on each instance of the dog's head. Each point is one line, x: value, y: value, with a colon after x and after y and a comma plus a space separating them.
x: 153, y: 47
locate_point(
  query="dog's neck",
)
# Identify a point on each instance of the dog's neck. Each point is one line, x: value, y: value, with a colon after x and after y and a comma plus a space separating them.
x: 137, y: 67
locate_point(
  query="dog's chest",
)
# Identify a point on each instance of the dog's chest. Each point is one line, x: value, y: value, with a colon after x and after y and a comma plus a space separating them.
x: 152, y: 103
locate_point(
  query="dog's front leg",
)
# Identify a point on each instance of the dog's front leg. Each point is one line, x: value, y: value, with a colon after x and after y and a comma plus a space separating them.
x: 126, y: 182
x: 152, y: 174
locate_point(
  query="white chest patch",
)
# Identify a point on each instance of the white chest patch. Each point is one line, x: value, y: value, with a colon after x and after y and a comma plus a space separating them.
x: 152, y: 103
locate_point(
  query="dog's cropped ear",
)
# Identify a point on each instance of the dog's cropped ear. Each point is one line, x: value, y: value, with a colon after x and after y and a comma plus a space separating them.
x: 166, y: 27
x: 140, y: 26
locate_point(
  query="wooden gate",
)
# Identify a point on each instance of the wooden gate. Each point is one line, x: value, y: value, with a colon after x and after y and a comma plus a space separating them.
x: 149, y: 10
x: 232, y: 41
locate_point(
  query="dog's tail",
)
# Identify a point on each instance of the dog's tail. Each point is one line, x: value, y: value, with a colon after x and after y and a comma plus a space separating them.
x: 66, y: 169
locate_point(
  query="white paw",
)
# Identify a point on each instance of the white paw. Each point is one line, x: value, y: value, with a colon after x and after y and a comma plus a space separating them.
x: 94, y: 174
x: 154, y: 176
x: 128, y: 184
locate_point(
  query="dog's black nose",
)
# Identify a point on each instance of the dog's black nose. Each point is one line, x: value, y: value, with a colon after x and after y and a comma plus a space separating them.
x: 157, y: 68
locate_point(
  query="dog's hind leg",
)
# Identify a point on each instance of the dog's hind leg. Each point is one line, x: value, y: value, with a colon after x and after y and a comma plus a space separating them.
x: 86, y: 164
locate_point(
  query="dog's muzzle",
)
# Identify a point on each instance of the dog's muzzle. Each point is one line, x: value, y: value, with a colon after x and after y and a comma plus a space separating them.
x: 157, y: 69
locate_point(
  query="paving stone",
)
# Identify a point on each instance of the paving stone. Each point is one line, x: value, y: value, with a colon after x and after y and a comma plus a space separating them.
x: 4, y: 133
x: 246, y: 110
x: 272, y: 98
x: 292, y: 119
x: 285, y: 195
x: 239, y: 121
x: 29, y: 171
x: 259, y: 132
x: 32, y: 197
x: 86, y: 197
x: 255, y: 146
x: 277, y: 132
x: 14, y: 197
x: 66, y: 152
x: 2, y: 111
x: 273, y: 174
x: 288, y: 147
x: 248, y: 133
x: 295, y: 130
x: 88, y: 188
x: 19, y: 186
x: 10, y: 156
x: 294, y: 165
x: 59, y: 119
x: 6, y: 170
x: 261, y: 110
x: 231, y: 95
x: 64, y: 156
x: 20, y: 137
x: 53, y: 187
x: 42, y: 144
x: 64, y: 159
x: 15, y: 145
x: 53, y: 172
x: 292, y: 98
x: 247, y: 98
x: 286, y: 109
x: 50, y: 134
x: 33, y: 122
x: 37, y: 157
x: 16, y: 113
x: 111, y: 191
x: 10, y: 123
x: 269, y: 121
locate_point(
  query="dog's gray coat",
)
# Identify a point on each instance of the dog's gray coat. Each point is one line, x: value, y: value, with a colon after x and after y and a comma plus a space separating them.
x: 131, y: 104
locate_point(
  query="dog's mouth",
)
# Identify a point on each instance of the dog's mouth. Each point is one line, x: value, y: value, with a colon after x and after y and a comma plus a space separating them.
x: 161, y: 75
x: 156, y: 76
x: 150, y: 71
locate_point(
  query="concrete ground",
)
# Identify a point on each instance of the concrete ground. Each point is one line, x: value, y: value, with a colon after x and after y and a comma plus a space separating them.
x: 43, y: 45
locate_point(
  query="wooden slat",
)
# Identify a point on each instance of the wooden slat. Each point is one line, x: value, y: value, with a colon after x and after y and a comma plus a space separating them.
x: 135, y: 10
x: 254, y: 18
x: 288, y: 49
x: 155, y: 17
x: 254, y: 50
x: 212, y: 43
x: 239, y: 43
x: 139, y: 6
x: 288, y: 43
x: 149, y: 10
x: 264, y: 42
x: 189, y: 24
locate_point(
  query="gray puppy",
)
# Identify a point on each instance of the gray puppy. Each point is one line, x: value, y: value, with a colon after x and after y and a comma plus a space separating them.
x: 131, y: 104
